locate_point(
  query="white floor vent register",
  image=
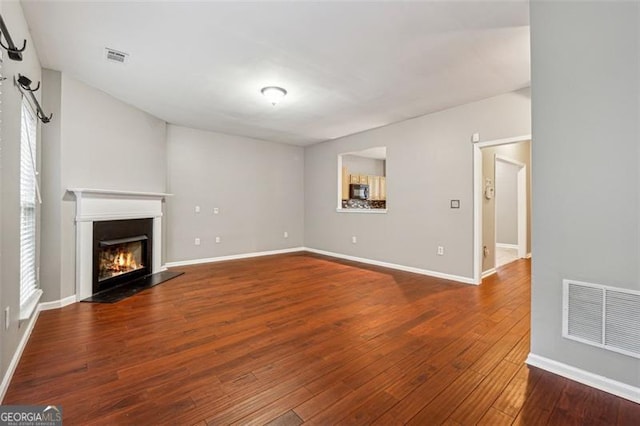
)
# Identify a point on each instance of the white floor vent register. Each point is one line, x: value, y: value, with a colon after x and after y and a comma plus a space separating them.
x: 607, y: 317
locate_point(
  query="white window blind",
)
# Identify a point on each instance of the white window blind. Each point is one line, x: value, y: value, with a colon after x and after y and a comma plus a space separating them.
x: 29, y: 195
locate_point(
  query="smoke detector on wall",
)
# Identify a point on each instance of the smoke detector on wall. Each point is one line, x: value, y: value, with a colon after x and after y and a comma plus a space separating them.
x: 115, y: 55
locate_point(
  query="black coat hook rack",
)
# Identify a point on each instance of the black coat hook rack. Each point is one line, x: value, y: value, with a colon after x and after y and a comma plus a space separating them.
x: 14, y: 52
x: 24, y: 83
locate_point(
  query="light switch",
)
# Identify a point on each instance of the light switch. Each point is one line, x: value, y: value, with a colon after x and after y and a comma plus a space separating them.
x: 197, y: 209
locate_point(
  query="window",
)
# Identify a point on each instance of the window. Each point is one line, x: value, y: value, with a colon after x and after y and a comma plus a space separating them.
x: 362, y: 181
x: 29, y: 193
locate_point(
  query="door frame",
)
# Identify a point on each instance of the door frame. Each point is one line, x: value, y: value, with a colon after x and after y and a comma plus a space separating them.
x: 521, y: 218
x: 477, y: 198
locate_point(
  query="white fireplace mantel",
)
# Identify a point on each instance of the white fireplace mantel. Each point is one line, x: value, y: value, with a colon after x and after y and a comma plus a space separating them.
x: 105, y: 204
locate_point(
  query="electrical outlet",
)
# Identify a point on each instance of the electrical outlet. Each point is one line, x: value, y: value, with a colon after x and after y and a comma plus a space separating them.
x: 286, y: 234
x: 197, y: 209
x: 216, y: 210
x: 354, y: 239
x: 197, y: 241
x: 440, y: 251
x: 6, y: 318
x: 218, y: 240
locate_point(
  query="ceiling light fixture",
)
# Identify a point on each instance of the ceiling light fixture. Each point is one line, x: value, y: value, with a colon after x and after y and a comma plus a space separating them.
x: 274, y: 94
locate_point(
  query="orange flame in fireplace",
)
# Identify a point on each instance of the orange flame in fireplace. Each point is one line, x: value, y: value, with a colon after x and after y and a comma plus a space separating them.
x: 124, y: 261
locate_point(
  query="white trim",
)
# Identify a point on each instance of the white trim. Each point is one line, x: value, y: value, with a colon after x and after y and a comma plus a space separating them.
x: 489, y: 272
x: 232, y: 257
x: 477, y: 198
x: 30, y: 305
x: 46, y: 306
x: 528, y: 256
x: 367, y: 211
x: 8, y: 375
x: 507, y: 246
x: 611, y: 386
x: 477, y: 214
x: 504, y: 141
x: 119, y: 193
x: 100, y: 217
x: 339, y: 206
x: 522, y: 211
x: 510, y: 161
x: 465, y: 280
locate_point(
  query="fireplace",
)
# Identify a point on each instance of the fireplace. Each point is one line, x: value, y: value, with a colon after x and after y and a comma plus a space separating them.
x: 122, y: 252
x: 96, y: 208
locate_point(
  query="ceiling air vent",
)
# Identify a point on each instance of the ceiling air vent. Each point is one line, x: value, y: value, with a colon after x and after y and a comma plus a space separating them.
x: 116, y: 55
x: 602, y: 316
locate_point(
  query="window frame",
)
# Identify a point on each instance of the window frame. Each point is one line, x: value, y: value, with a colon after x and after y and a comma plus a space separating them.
x: 30, y: 291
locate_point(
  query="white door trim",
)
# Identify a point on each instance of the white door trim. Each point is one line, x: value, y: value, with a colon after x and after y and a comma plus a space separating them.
x: 477, y: 198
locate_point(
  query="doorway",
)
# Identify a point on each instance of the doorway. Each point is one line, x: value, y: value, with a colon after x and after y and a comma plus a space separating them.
x: 516, y: 152
x: 510, y: 218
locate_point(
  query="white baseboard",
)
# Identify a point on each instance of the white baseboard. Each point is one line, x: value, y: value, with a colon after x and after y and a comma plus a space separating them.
x: 465, y: 280
x: 45, y: 306
x: 8, y: 375
x: 488, y: 272
x: 614, y: 387
x: 507, y: 246
x: 527, y: 256
x: 232, y: 257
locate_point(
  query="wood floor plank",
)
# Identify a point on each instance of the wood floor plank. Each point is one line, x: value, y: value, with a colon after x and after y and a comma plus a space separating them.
x: 441, y: 407
x: 482, y: 397
x: 495, y: 417
x: 303, y: 338
x: 519, y: 389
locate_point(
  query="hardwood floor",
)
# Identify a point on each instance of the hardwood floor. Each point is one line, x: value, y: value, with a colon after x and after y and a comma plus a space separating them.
x: 300, y: 338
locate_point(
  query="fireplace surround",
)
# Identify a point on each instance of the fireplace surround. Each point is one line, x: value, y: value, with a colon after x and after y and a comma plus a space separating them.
x: 102, y: 207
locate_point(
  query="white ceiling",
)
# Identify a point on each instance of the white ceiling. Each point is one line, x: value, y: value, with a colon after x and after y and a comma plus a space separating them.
x: 348, y: 66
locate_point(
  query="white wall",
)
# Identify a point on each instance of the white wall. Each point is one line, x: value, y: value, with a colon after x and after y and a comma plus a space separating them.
x: 102, y: 143
x: 363, y: 166
x: 256, y: 185
x: 506, y: 203
x: 429, y: 162
x: 10, y: 179
x: 586, y: 162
